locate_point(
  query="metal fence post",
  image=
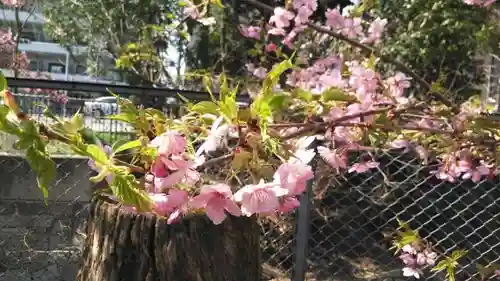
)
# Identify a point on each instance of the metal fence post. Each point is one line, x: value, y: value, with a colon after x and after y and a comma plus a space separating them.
x: 303, y: 225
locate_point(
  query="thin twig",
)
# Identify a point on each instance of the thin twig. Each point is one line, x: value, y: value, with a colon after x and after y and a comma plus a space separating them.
x: 133, y: 168
x: 214, y: 161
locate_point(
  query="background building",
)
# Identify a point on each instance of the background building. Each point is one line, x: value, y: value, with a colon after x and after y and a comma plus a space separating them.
x: 48, y: 56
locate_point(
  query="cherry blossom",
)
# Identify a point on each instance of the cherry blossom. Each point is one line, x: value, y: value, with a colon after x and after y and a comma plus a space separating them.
x: 216, y: 200
x: 175, y: 205
x: 179, y: 170
x: 13, y: 3
x: 259, y: 198
x: 363, y: 167
x: 281, y: 17
x: 335, y: 159
x: 251, y: 31
x: 293, y: 177
x: 169, y: 143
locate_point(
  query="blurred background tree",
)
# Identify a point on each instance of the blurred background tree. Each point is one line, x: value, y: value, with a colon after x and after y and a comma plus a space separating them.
x: 131, y: 34
x: 442, y: 40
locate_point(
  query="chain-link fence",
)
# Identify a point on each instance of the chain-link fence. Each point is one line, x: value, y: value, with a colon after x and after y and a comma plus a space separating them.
x: 344, y: 234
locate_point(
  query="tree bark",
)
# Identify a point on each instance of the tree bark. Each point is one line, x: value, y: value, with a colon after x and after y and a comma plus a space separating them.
x: 126, y: 246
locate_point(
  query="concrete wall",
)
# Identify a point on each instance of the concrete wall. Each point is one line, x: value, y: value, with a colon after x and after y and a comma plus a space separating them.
x: 38, y: 241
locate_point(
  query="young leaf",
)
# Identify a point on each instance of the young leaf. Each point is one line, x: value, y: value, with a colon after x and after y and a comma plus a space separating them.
x: 126, y: 188
x: 129, y: 145
x: 3, y: 82
x: 44, y: 168
x: 97, y: 154
x: 124, y: 117
x: 204, y: 107
x: 335, y: 94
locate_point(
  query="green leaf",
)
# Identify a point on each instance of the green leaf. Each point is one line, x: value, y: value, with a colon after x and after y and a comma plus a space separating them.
x: 277, y: 101
x: 97, y: 154
x: 336, y: 94
x: 273, y: 76
x: 228, y: 106
x: 3, y: 82
x: 124, y: 117
x: 103, y: 173
x: 261, y: 106
x: 44, y: 168
x: 75, y: 124
x: 205, y: 107
x: 5, y: 124
x: 126, y: 188
x: 129, y: 145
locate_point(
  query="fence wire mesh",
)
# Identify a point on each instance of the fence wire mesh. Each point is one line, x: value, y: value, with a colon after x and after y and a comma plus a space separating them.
x: 350, y: 221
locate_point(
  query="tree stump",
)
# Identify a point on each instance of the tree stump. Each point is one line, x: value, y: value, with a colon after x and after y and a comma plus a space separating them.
x: 126, y: 246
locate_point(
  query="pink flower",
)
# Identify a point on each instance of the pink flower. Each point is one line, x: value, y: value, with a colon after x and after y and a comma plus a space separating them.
x: 191, y: 10
x: 429, y: 257
x: 302, y: 153
x: 401, y: 144
x: 475, y: 174
x: 250, y: 31
x: 397, y: 84
x: 375, y: 31
x: 260, y: 72
x: 473, y: 2
x: 311, y: 4
x: 281, y: 17
x: 182, y: 171
x: 408, y: 259
x: 333, y: 158
x: 13, y: 3
x: 169, y: 143
x: 293, y: 177
x: 334, y: 18
x: 412, y: 272
x: 170, y: 204
x: 409, y: 249
x: 363, y: 167
x: 174, y: 204
x: 215, y: 137
x: 288, y: 203
x: 448, y: 172
x: 352, y: 28
x: 271, y: 47
x: 216, y: 199
x: 259, y: 198
x: 277, y: 31
x: 303, y: 14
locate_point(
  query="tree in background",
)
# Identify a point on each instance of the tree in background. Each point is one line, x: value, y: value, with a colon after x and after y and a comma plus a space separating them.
x: 127, y: 33
x: 442, y: 40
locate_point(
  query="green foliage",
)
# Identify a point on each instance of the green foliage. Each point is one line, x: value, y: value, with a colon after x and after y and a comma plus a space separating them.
x: 3, y: 82
x: 450, y: 263
x: 406, y: 236
x: 112, y: 26
x: 126, y: 188
x: 442, y: 38
x: 44, y: 167
x: 335, y: 94
x: 263, y: 105
x: 128, y: 145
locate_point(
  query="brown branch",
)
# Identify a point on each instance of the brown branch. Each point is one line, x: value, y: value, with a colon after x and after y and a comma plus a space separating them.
x: 133, y: 168
x: 399, y: 65
x: 214, y: 161
x: 317, y: 126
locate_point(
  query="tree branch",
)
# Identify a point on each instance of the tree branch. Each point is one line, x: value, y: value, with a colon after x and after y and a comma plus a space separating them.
x: 214, y: 161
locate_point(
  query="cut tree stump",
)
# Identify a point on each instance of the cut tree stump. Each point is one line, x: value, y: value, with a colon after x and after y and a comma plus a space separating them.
x: 126, y: 246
